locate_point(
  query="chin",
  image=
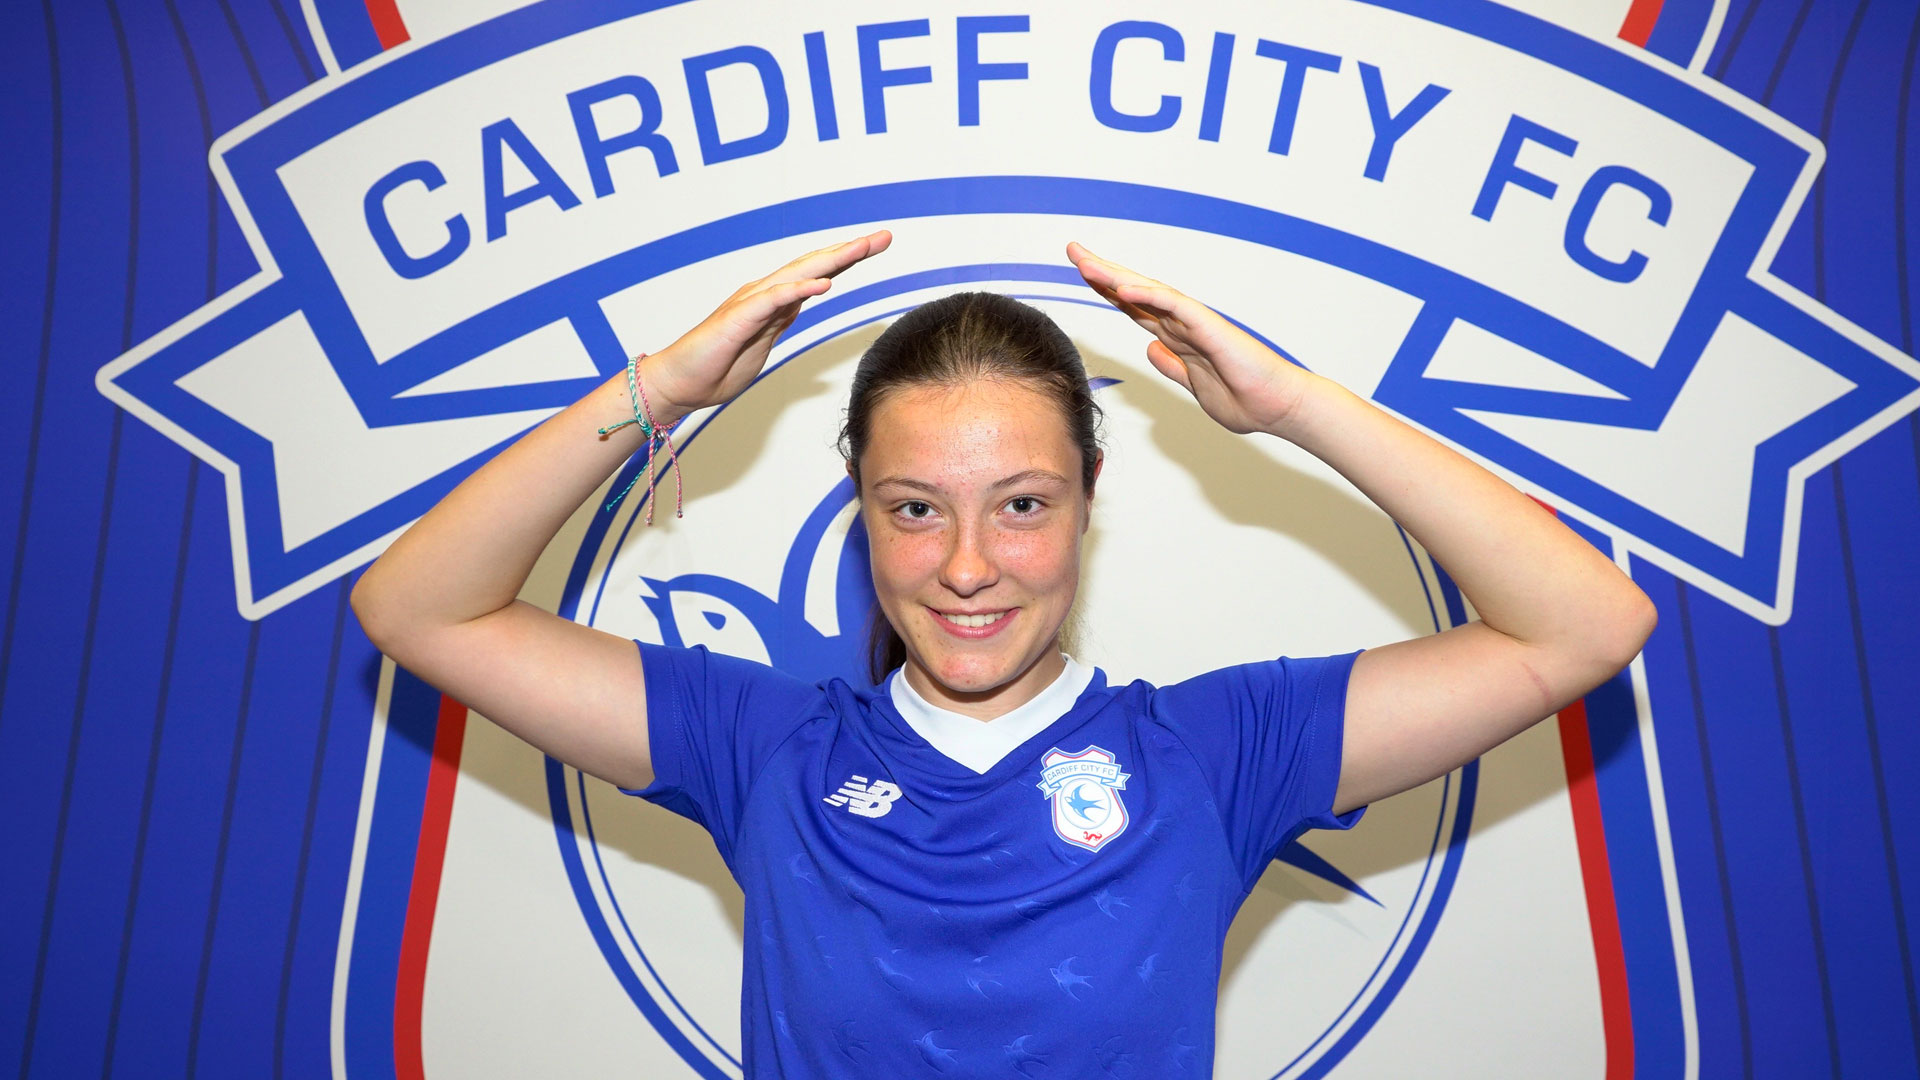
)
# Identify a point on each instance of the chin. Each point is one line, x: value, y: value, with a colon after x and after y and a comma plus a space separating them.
x: 972, y: 675
x: 978, y: 673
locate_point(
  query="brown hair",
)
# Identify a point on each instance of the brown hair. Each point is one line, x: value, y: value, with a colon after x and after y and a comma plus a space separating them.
x: 953, y: 341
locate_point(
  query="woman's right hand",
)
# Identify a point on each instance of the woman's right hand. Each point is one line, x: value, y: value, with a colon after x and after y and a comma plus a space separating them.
x: 717, y: 359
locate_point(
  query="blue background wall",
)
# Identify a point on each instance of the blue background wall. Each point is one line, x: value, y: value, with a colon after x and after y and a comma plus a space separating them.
x: 178, y: 785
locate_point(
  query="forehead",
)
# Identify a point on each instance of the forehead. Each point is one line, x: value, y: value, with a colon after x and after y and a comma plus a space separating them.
x: 976, y: 432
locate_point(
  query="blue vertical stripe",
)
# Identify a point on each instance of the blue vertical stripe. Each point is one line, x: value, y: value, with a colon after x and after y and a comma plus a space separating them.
x: 349, y: 30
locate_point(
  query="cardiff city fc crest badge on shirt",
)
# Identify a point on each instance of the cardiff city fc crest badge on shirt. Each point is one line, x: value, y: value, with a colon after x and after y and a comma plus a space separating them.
x: 1085, y: 789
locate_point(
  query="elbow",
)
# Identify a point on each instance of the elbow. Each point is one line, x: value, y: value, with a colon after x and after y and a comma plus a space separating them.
x: 1629, y: 628
x: 1649, y: 618
x: 1602, y: 641
x: 365, y: 600
x: 392, y: 620
x: 1640, y: 621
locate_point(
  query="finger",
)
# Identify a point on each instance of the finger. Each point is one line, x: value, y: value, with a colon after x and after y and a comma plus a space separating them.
x: 1139, y: 298
x: 1172, y: 311
x: 1168, y: 363
x: 1131, y: 311
x: 1093, y: 266
x: 782, y: 293
x: 828, y: 261
x: 1102, y: 283
x: 763, y: 306
x: 1157, y: 298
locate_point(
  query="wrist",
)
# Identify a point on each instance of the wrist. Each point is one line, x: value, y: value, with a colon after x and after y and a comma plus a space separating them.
x: 1303, y: 415
x: 653, y: 414
x: 659, y: 396
x: 634, y: 394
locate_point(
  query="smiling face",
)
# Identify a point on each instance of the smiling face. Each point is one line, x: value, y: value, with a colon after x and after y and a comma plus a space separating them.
x: 974, y: 510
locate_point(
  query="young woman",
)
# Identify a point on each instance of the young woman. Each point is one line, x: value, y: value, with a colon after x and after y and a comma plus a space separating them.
x: 994, y: 860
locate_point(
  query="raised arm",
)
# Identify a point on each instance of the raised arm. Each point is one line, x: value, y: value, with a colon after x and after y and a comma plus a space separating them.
x: 1557, y: 618
x: 442, y: 600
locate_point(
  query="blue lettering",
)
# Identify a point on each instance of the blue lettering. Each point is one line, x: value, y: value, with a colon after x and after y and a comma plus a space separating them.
x: 1100, y: 84
x: 1389, y: 126
x: 597, y: 149
x: 820, y: 81
x: 1214, y: 106
x: 772, y: 85
x: 1504, y: 171
x: 1602, y: 181
x: 1299, y: 62
x: 546, y: 183
x: 375, y: 205
x: 972, y: 72
x: 875, y: 79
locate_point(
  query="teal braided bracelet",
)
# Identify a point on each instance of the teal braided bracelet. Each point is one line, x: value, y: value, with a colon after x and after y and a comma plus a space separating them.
x: 633, y: 394
x: 652, y: 433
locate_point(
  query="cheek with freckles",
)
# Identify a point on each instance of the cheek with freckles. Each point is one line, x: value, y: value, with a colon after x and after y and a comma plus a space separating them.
x: 1040, y: 559
x: 903, y: 561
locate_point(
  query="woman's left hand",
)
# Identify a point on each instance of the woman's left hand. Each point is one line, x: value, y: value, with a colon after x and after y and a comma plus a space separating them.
x: 1238, y: 381
x: 1556, y: 616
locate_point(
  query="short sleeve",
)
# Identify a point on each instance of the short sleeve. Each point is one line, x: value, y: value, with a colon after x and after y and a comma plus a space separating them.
x: 713, y: 721
x: 1267, y: 738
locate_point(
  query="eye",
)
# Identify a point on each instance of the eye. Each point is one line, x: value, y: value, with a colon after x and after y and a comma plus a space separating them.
x: 914, y: 509
x: 1023, y: 504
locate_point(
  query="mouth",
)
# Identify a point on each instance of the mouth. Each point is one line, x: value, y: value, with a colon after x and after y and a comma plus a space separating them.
x: 973, y: 624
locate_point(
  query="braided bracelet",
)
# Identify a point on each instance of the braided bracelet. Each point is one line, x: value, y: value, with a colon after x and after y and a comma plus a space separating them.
x: 652, y: 433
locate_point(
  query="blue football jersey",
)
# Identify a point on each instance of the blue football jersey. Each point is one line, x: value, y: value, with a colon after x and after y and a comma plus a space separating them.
x: 1061, y: 914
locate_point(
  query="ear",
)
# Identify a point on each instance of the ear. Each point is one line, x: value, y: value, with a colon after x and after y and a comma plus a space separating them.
x: 1099, y: 462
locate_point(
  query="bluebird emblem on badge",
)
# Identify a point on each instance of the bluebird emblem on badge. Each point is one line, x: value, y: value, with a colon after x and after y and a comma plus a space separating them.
x: 1085, y: 790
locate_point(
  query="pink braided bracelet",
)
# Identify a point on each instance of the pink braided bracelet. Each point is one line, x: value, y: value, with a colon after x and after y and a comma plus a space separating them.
x: 652, y: 433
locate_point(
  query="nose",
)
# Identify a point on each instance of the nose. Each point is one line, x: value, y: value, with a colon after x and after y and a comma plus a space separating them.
x: 969, y: 565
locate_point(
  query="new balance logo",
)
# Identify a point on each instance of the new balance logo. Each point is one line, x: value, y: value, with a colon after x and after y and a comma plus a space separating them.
x: 863, y: 798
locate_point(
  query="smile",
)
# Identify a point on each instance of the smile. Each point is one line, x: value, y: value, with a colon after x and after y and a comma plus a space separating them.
x: 973, y: 626
x: 974, y: 621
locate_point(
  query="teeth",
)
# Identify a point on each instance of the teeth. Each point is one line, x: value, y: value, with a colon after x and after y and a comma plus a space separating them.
x: 975, y: 620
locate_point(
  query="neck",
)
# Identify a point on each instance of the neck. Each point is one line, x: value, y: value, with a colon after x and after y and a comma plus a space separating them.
x: 989, y: 704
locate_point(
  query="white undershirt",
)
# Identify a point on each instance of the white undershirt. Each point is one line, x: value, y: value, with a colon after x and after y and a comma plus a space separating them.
x: 980, y: 744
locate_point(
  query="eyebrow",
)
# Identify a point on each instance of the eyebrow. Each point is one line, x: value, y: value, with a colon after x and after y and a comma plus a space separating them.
x: 1022, y: 477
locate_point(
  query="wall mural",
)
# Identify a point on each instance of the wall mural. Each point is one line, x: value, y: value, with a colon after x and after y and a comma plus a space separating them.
x: 284, y: 274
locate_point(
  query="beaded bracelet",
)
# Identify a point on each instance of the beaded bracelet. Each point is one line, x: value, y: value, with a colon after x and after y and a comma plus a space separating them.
x: 652, y: 433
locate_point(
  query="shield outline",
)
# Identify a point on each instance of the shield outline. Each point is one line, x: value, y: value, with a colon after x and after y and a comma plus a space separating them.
x: 1061, y: 826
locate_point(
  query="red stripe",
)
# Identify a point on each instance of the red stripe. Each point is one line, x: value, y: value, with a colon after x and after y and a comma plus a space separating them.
x: 448, y: 736
x: 1637, y: 27
x: 387, y: 23
x: 1596, y: 878
x: 409, y: 987
x: 1590, y: 837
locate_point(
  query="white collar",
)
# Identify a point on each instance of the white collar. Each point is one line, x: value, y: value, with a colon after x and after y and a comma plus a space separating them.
x: 980, y: 744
